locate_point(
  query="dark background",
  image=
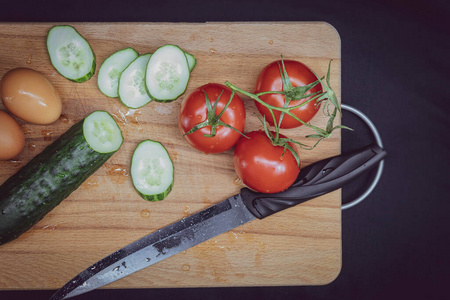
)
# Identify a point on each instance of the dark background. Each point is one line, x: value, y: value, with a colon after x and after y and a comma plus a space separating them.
x: 395, y: 68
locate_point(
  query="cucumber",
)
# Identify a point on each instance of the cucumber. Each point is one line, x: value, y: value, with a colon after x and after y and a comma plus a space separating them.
x: 111, y: 69
x: 192, y: 61
x: 70, y: 54
x: 152, y: 170
x: 132, y: 91
x: 167, y: 74
x: 52, y: 175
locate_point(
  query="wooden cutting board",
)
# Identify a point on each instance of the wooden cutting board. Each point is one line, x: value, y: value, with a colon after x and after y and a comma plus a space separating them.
x: 299, y: 246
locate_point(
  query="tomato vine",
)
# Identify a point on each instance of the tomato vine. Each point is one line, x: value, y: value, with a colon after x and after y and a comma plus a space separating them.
x: 327, y: 99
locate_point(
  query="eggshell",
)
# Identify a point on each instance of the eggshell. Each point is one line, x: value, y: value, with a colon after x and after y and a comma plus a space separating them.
x: 28, y: 95
x: 12, y: 139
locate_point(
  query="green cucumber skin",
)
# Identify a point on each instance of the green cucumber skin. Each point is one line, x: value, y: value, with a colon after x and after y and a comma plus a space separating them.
x: 157, y: 197
x: 49, y: 178
x: 160, y: 196
x: 191, y: 67
x: 94, y: 62
x: 87, y: 76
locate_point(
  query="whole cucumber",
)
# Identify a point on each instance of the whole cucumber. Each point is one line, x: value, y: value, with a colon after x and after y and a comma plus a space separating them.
x: 52, y: 175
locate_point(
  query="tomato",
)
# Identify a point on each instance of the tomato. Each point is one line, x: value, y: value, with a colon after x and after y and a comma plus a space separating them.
x: 194, y: 110
x: 262, y: 166
x: 270, y: 79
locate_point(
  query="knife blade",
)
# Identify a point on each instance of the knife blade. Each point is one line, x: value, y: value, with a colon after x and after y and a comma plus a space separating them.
x: 314, y: 180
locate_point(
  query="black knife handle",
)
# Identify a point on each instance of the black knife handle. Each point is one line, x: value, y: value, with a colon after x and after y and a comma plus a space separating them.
x: 315, y: 180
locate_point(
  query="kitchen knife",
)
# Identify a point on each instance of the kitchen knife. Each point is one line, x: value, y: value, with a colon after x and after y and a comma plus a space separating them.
x: 314, y: 180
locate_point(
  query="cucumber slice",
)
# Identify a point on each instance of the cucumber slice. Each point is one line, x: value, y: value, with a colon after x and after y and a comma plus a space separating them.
x: 132, y: 91
x: 167, y: 74
x: 111, y: 68
x: 192, y: 61
x: 101, y: 132
x: 70, y: 54
x: 152, y: 170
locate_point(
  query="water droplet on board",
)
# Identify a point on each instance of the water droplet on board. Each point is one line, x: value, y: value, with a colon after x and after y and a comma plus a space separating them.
x: 187, y: 211
x: 133, y: 114
x: 232, y: 235
x: 47, y: 134
x: 29, y: 58
x: 15, y: 163
x: 52, y: 227
x: 185, y: 267
x: 90, y: 183
x: 237, y: 181
x: 212, y: 50
x: 211, y: 39
x: 27, y: 130
x: 145, y: 213
x: 270, y: 42
x: 31, y: 146
x: 118, y: 118
x: 64, y: 119
x: 118, y: 173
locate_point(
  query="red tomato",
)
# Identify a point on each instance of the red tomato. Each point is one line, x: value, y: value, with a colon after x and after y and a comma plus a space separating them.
x: 270, y: 80
x: 194, y: 110
x: 262, y: 166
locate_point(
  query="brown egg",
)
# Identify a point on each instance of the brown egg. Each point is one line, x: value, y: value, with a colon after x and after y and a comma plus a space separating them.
x: 28, y: 95
x: 12, y: 139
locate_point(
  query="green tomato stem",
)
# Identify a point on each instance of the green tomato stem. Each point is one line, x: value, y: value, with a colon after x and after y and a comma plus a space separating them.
x: 212, y: 119
x: 286, y: 110
x: 269, y: 92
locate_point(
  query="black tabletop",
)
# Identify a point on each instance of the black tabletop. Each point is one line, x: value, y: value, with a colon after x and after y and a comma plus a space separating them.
x: 395, y: 69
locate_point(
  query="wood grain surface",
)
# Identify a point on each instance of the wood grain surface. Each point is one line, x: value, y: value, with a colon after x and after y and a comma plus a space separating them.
x: 299, y: 246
